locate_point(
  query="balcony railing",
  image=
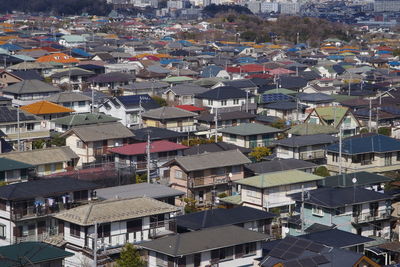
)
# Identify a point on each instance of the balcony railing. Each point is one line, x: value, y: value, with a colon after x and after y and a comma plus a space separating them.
x: 309, y: 155
x: 39, y: 211
x: 366, y: 162
x: 368, y: 217
x: 37, y: 237
x: 207, y: 181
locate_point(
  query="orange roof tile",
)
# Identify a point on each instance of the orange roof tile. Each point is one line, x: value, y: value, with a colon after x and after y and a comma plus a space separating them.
x: 58, y: 57
x: 45, y: 107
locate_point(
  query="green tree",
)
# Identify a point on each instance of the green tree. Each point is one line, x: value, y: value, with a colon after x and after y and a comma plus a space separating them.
x: 258, y: 153
x: 190, y: 205
x: 385, y: 131
x: 130, y: 257
x: 279, y: 124
x: 322, y: 171
x: 159, y: 100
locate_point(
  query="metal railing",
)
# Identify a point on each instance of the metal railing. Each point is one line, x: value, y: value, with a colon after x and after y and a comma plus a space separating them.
x: 307, y: 155
x: 38, y: 211
x: 369, y: 217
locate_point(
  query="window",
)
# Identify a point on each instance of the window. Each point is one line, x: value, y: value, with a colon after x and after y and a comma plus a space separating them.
x: 224, y: 102
x: 30, y: 126
x: 316, y: 210
x: 250, y: 248
x: 210, y: 102
x: 81, y: 195
x: 398, y: 156
x: 198, y: 174
x: 2, y: 231
x: 226, y: 253
x: 232, y: 137
x: 79, y: 144
x: 178, y: 174
x: 236, y: 101
x: 104, y: 230
x: 3, y: 204
x: 74, y: 230
x: 134, y: 225
x: 340, y: 211
x: 81, y: 104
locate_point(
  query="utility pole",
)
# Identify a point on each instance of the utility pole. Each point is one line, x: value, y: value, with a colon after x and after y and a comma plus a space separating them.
x: 148, y: 156
x: 92, y: 100
x: 18, y: 130
x: 140, y: 113
x: 370, y: 115
x: 216, y: 125
x: 247, y: 101
x: 95, y: 246
x: 351, y: 78
x: 340, y: 149
x: 297, y: 109
x: 302, y: 209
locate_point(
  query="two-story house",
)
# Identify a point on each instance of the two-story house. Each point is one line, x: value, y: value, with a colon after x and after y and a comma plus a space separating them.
x: 352, y: 209
x: 250, y: 135
x: 270, y: 190
x: 91, y: 142
x: 111, y: 82
x: 27, y: 208
x: 336, y: 116
x: 227, y: 98
x: 74, y: 77
x: 204, y: 176
x: 305, y: 147
x: 135, y: 155
x: 372, y: 152
x: 117, y: 221
x: 224, y: 246
x: 183, y: 94
x: 47, y: 110
x: 128, y: 108
x: 79, y: 102
x: 63, y: 124
x: 47, y: 160
x: 14, y: 171
x: 170, y: 118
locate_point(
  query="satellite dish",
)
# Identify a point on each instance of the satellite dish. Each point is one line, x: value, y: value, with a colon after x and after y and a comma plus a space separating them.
x: 354, y: 180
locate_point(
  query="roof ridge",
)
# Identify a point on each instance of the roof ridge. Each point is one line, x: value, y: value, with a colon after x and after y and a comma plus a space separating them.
x: 88, y: 213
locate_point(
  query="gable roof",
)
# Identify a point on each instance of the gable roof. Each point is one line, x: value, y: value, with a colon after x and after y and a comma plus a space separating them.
x: 218, y: 217
x: 9, y: 114
x: 311, y: 128
x: 332, y: 113
x: 279, y: 165
x: 84, y: 119
x: 45, y: 107
x: 223, y: 92
x: 306, y: 140
x: 57, y: 57
x: 31, y: 87
x: 156, y: 134
x: 230, y: 115
x: 134, y: 101
x: 345, y: 179
x: 43, y: 188
x: 210, y: 160
x: 367, y: 144
x: 9, y: 164
x: 250, y: 129
x: 140, y: 148
x: 336, y: 238
x: 203, y: 240
x: 115, y: 210
x: 187, y: 89
x: 214, y: 147
x: 165, y: 113
x: 98, y: 132
x: 273, y: 179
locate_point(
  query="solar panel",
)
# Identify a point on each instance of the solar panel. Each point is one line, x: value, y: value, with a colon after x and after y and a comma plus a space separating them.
x: 289, y: 255
x: 320, y: 259
x: 269, y: 98
x: 294, y: 263
x: 307, y: 262
x: 277, y: 253
x: 391, y: 110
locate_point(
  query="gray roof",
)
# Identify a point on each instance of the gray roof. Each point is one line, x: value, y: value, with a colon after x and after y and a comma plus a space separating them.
x: 73, y: 72
x: 306, y: 140
x: 156, y: 191
x: 250, y: 129
x: 203, y: 240
x: 115, y: 210
x: 30, y: 87
x: 145, y: 85
x: 187, y: 89
x: 230, y: 115
x: 63, y: 97
x: 98, y: 132
x: 211, y: 160
x: 165, y: 113
x: 279, y: 165
x: 84, y: 119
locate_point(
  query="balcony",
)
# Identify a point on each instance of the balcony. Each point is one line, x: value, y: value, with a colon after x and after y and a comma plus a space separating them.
x: 368, y: 217
x: 39, y: 211
x: 100, y: 151
x: 310, y: 155
x: 208, y: 181
x: 366, y: 162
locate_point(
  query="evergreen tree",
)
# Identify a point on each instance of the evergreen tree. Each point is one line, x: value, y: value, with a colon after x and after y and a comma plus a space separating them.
x: 130, y: 257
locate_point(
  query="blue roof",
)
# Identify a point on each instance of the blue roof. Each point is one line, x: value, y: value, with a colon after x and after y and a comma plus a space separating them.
x: 391, y: 109
x: 133, y: 101
x: 367, y: 144
x: 167, y: 38
x: 169, y: 60
x: 11, y: 47
x: 271, y: 98
x: 394, y: 63
x: 81, y: 52
x: 223, y: 92
x: 210, y: 71
x: 185, y: 43
x: 336, y: 238
x: 245, y: 60
x: 335, y: 57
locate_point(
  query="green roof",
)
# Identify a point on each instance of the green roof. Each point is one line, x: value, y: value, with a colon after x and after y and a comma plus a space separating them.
x: 208, y: 82
x: 26, y: 253
x: 177, y: 79
x: 235, y: 200
x: 340, y: 98
x: 280, y: 90
x: 310, y: 128
x: 250, y: 129
x: 328, y: 113
x: 273, y: 179
x: 84, y: 119
x: 9, y: 164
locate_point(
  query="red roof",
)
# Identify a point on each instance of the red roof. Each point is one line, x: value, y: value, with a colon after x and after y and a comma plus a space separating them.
x: 259, y: 75
x: 233, y: 69
x: 254, y: 68
x: 280, y: 71
x: 190, y: 108
x: 140, y: 148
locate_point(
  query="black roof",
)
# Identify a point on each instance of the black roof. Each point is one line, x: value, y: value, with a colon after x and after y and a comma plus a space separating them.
x: 219, y: 217
x: 43, y: 188
x: 336, y: 238
x: 292, y: 82
x: 339, y: 197
x: 155, y: 134
x: 345, y: 180
x: 224, y: 92
x: 279, y: 165
x: 9, y: 114
x: 214, y: 147
x: 306, y: 140
x: 224, y: 116
x: 130, y: 101
x: 28, y: 75
x: 285, y: 105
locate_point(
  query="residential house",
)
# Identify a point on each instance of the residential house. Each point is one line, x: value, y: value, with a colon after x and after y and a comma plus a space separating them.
x: 30, y: 127
x: 62, y: 58
x: 8, y: 78
x: 79, y: 102
x: 46, y: 111
x: 14, y: 171
x: 204, y: 176
x: 214, y: 147
x: 314, y: 100
x: 306, y: 147
x: 278, y: 164
x: 246, y: 85
x: 250, y: 135
x: 27, y: 208
x: 46, y: 160
x: 147, y: 87
x: 298, y: 251
x: 128, y: 108
x: 270, y: 190
x: 111, y: 82
x: 183, y: 94
x: 135, y: 155
x: 118, y: 221
x: 36, y: 254
x: 29, y: 91
x: 74, y: 78
x: 336, y: 116
x: 171, y: 118
x: 286, y: 110
x: 72, y: 40
x: 212, y: 71
x: 155, y: 133
x: 92, y: 142
x: 5, y: 102
x: 157, y: 191
x: 227, y: 98
x: 63, y: 124
x: 224, y: 246
x: 248, y: 218
x: 310, y: 129
x: 373, y: 153
x: 352, y: 209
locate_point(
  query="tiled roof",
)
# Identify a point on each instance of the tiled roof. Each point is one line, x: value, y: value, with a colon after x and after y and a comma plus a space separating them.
x: 310, y: 128
x: 45, y: 107
x: 140, y: 148
x: 367, y: 144
x: 58, y: 57
x: 98, y: 132
x: 165, y: 113
x: 190, y: 108
x: 31, y: 87
x: 84, y: 119
x: 250, y: 129
x: 224, y: 92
